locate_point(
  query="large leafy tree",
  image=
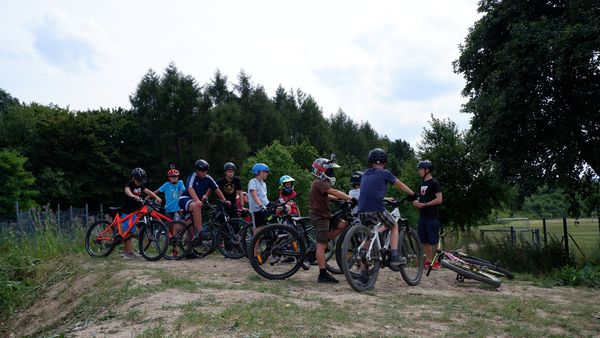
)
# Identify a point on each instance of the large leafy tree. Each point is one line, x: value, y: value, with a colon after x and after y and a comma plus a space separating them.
x: 16, y: 183
x: 532, y: 71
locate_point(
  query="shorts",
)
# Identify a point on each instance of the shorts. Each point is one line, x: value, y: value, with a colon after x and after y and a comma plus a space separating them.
x: 369, y: 218
x: 259, y: 218
x: 125, y: 223
x: 429, y: 230
x: 184, y: 202
x: 321, y: 225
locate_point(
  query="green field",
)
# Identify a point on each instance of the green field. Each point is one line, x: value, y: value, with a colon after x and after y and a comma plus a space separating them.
x: 586, y: 233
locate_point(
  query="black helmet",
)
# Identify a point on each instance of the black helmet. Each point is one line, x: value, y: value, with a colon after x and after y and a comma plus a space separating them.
x: 139, y: 174
x: 201, y: 165
x: 377, y: 155
x: 425, y: 164
x: 356, y: 177
x: 229, y: 166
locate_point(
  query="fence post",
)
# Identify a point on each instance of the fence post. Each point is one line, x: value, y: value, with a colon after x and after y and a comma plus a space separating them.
x: 513, y: 237
x: 86, y: 214
x: 58, y: 215
x: 536, y: 236
x: 17, y: 209
x: 71, y: 214
x: 566, y: 234
x: 545, y: 233
x: 101, y: 212
x: 482, y: 235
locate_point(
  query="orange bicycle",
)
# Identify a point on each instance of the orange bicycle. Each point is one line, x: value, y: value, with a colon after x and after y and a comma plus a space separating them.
x: 102, y: 236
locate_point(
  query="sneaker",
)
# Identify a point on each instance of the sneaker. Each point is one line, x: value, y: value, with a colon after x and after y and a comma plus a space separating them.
x: 426, y: 265
x: 436, y: 266
x: 289, y: 259
x: 191, y: 255
x: 396, y: 261
x: 327, y: 278
x: 126, y: 255
x: 363, y: 277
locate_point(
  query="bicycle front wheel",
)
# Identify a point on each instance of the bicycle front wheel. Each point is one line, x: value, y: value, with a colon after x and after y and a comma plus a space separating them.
x: 498, y: 270
x: 276, y: 251
x: 153, y: 240
x: 412, y: 249
x: 356, y: 258
x: 100, y: 239
x: 179, y: 240
x: 471, y: 272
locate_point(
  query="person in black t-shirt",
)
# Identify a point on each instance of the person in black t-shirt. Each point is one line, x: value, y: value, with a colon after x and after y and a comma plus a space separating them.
x: 231, y: 186
x: 429, y: 220
x: 135, y: 192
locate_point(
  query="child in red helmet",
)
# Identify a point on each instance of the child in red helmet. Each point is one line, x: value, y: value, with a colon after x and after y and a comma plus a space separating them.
x: 172, y: 190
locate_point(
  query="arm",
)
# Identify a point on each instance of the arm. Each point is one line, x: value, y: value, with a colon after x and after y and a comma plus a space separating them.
x: 221, y: 196
x: 194, y: 196
x: 152, y: 194
x: 241, y: 197
x: 398, y: 184
x: 436, y: 201
x: 338, y: 195
x: 130, y: 194
x: 254, y: 195
x: 205, y: 197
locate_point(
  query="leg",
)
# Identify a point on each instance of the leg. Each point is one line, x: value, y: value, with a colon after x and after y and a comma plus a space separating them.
x: 428, y: 252
x: 320, y: 253
x: 128, y: 246
x: 338, y: 229
x: 196, y: 211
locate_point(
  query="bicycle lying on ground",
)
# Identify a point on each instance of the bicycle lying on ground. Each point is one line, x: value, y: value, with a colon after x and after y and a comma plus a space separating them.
x: 371, y: 249
x: 145, y: 223
x: 220, y: 232
x: 469, y: 267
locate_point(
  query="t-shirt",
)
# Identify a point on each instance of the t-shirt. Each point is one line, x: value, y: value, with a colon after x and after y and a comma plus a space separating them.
x: 293, y: 205
x: 261, y: 189
x: 373, y: 187
x: 319, y: 202
x: 200, y: 185
x: 172, y: 193
x: 130, y: 205
x: 230, y: 189
x: 356, y: 194
x: 428, y: 189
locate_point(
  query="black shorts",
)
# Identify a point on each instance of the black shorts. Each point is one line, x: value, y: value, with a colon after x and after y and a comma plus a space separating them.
x: 259, y: 218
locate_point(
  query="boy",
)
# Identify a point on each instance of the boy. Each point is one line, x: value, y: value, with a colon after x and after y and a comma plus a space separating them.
x: 135, y: 192
x: 258, y: 195
x: 199, y: 185
x: 429, y: 218
x: 172, y: 190
x: 231, y: 186
x: 355, y: 183
x: 286, y: 193
x: 321, y: 192
x: 371, y: 210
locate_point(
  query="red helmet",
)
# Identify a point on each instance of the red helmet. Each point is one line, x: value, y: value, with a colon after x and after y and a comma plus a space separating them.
x: 173, y: 172
x: 323, y: 169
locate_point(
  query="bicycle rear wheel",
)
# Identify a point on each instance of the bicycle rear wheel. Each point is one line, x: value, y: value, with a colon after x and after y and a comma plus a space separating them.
x: 276, y: 251
x: 352, y: 259
x: 100, y: 239
x: 207, y: 241
x: 153, y: 240
x: 471, y: 272
x: 179, y: 239
x: 490, y: 266
x: 412, y: 249
x: 230, y: 243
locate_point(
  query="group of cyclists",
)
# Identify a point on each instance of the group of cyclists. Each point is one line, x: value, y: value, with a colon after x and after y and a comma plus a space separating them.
x: 369, y: 188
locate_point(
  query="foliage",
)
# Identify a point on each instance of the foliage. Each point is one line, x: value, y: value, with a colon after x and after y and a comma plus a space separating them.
x: 587, y: 275
x: 16, y: 183
x: 532, y: 71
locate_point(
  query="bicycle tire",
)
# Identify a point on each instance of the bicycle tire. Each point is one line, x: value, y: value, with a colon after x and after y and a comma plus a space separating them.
x: 411, y: 248
x: 153, y: 235
x: 209, y: 241
x: 276, y: 238
x: 471, y: 274
x: 230, y: 242
x: 489, y: 265
x: 352, y: 240
x: 179, y: 232
x: 338, y: 251
x: 91, y: 237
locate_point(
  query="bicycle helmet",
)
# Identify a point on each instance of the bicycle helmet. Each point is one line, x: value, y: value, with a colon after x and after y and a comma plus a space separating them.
x: 356, y: 177
x: 258, y: 167
x: 229, y: 166
x: 425, y: 164
x: 285, y: 179
x: 323, y: 169
x: 378, y: 156
x: 201, y: 165
x: 139, y: 174
x: 172, y: 172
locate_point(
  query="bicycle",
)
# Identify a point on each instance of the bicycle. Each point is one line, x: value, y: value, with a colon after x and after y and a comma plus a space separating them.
x: 279, y: 250
x: 378, y: 253
x: 102, y: 236
x: 220, y: 232
x: 469, y: 267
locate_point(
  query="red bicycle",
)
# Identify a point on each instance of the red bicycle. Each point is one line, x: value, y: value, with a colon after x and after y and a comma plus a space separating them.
x: 145, y: 223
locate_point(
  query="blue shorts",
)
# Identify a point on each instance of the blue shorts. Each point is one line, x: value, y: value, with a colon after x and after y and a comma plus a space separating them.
x: 184, y: 202
x: 429, y: 229
x: 125, y: 224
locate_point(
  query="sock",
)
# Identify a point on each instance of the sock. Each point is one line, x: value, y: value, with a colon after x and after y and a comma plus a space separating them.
x: 322, y: 272
x: 395, y: 253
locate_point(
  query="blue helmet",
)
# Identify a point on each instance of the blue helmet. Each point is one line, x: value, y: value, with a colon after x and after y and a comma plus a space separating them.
x: 258, y: 167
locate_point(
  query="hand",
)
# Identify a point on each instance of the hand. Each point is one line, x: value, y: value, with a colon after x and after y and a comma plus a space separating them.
x: 228, y: 202
x: 416, y: 204
x: 158, y: 200
x: 263, y: 208
x: 204, y: 198
x: 139, y: 199
x: 354, y: 201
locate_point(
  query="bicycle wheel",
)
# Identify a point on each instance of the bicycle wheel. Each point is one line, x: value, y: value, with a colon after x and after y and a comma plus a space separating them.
x: 179, y: 239
x: 153, y: 240
x: 100, y: 239
x: 276, y: 251
x: 471, y: 272
x: 247, y: 234
x: 353, y: 259
x: 411, y: 248
x: 490, y: 266
x: 331, y: 255
x: 230, y: 243
x: 207, y: 242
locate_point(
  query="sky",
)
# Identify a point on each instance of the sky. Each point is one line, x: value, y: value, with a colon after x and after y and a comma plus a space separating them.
x: 385, y: 62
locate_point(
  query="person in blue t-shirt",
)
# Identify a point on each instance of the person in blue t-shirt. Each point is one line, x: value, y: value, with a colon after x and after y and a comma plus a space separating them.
x: 373, y: 188
x: 199, y: 185
x: 172, y: 190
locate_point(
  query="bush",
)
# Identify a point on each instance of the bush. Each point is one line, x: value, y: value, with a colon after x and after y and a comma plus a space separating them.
x: 588, y: 275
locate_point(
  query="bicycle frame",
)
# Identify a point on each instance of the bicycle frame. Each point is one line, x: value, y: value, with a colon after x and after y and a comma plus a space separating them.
x: 444, y: 254
x: 140, y: 214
